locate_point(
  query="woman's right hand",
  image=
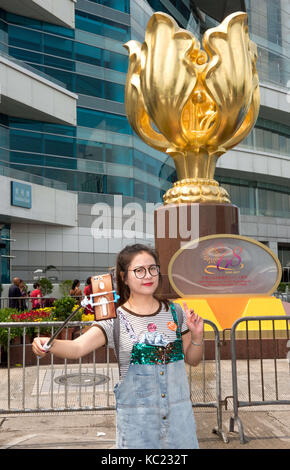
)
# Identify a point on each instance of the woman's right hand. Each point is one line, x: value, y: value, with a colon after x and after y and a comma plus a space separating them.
x: 37, y: 346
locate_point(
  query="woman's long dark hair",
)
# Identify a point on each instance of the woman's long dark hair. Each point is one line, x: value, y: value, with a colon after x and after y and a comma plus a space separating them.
x: 123, y: 262
x: 74, y: 284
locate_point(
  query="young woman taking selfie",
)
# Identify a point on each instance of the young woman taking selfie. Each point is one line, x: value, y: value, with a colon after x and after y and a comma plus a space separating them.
x: 152, y: 339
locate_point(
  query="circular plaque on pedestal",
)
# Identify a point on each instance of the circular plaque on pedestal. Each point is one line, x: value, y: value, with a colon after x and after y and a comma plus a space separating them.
x: 223, y: 265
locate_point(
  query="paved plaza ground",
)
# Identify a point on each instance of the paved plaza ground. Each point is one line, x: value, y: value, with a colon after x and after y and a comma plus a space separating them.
x: 266, y: 426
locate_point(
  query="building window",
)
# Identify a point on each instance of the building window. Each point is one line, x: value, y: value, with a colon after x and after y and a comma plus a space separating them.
x: 255, y: 198
x: 102, y: 27
x: 101, y: 120
x: 284, y: 257
x: 5, y: 255
x: 121, y: 5
x: 273, y: 203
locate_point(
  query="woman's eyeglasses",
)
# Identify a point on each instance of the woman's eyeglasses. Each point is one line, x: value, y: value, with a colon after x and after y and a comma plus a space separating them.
x: 140, y: 272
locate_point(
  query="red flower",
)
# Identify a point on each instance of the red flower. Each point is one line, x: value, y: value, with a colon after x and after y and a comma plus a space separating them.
x: 30, y: 316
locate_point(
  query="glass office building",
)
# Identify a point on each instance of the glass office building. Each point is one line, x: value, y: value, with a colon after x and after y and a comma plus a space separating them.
x: 100, y: 156
x: 269, y: 29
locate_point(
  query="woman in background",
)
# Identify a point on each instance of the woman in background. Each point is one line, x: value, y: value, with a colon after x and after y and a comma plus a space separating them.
x: 88, y: 310
x: 24, y: 294
x: 35, y: 296
x: 76, y: 292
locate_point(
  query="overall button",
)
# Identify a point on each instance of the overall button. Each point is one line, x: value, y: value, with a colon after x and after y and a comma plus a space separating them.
x: 162, y: 373
x: 163, y: 395
x: 163, y: 417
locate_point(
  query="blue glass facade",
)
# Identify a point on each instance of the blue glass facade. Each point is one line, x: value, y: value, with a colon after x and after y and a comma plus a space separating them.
x: 270, y: 30
x: 102, y: 154
x: 91, y: 62
x: 123, y: 6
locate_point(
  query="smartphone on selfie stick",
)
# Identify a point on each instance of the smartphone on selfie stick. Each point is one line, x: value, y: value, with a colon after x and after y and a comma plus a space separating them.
x: 103, y: 301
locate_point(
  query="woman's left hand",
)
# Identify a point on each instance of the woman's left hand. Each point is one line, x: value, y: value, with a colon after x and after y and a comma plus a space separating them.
x: 194, y: 323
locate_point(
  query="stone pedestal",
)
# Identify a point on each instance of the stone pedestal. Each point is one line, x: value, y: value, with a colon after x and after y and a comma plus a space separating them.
x: 176, y: 224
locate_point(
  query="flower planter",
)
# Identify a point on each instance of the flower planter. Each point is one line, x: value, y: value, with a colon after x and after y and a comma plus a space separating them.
x: 67, y: 333
x: 19, y: 340
x: 16, y: 357
x: 16, y: 341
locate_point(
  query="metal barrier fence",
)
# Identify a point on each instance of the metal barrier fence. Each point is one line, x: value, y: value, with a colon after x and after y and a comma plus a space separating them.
x: 284, y: 296
x: 267, y: 382
x: 52, y: 384
x: 26, y: 303
x: 216, y: 397
x: 40, y: 387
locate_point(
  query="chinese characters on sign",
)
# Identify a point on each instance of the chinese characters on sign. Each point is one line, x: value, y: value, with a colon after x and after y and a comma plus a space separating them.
x: 21, y: 195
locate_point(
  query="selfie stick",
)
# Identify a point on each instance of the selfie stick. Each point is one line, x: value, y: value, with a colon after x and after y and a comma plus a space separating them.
x: 84, y: 303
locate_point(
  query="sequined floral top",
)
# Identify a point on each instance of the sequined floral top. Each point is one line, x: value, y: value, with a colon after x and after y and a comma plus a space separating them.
x: 157, y: 329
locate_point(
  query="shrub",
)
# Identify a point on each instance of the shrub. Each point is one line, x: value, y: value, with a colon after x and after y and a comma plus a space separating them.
x: 6, y: 316
x: 282, y: 286
x: 64, y: 307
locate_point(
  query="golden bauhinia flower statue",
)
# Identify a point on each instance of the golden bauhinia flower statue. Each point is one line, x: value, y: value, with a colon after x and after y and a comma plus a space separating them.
x: 193, y: 104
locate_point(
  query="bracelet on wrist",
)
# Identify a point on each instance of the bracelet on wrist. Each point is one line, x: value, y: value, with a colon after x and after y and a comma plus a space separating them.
x: 197, y: 344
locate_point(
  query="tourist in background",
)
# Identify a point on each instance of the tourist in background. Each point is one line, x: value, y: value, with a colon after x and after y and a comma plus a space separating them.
x: 14, y: 294
x: 24, y: 295
x: 88, y: 310
x: 35, y: 296
x: 76, y: 292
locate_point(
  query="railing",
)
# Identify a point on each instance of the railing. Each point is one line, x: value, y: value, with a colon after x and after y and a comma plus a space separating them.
x: 205, y: 387
x: 26, y: 303
x: 267, y: 381
x: 284, y: 296
x: 36, y: 389
x: 29, y: 177
x: 258, y: 372
x: 33, y: 69
x: 33, y: 387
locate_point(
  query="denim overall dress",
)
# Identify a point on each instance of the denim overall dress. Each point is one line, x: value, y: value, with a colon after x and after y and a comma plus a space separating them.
x: 153, y: 404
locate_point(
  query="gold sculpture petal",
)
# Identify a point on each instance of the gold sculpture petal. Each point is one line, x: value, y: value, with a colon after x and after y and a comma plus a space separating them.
x: 248, y: 123
x: 228, y: 77
x: 193, y: 104
x: 253, y: 112
x: 135, y: 109
x: 167, y: 74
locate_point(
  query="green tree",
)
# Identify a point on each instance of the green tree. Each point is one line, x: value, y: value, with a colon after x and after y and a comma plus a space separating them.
x: 45, y: 286
x: 65, y: 287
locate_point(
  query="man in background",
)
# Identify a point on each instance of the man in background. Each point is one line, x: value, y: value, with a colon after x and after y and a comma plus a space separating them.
x: 14, y: 294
